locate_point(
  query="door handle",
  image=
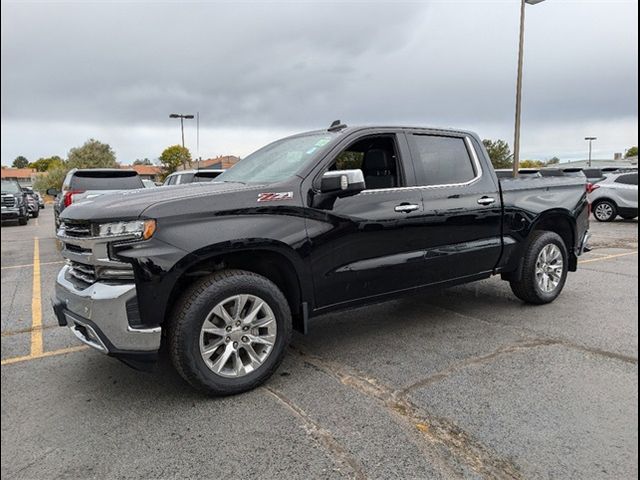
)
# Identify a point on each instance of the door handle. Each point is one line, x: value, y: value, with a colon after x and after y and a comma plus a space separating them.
x: 406, y: 207
x: 486, y: 200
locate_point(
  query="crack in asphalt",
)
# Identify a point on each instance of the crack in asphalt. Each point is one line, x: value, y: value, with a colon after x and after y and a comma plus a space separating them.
x: 482, y: 359
x: 439, y: 431
x: 338, y: 453
x: 551, y: 340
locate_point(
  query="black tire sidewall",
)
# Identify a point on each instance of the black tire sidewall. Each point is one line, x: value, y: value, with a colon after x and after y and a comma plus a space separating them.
x: 542, y: 241
x: 200, y: 301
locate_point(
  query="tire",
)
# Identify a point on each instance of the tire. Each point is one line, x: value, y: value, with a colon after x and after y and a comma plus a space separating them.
x: 35, y: 214
x: 23, y: 220
x: 605, y: 211
x: 186, y: 337
x: 529, y: 289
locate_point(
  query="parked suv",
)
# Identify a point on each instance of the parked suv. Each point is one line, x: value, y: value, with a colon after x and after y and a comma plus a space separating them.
x: 192, y: 176
x: 14, y: 202
x: 32, y: 201
x: 616, y: 195
x: 89, y: 183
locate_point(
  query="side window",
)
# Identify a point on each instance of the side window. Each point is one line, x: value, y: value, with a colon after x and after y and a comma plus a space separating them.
x: 171, y: 181
x: 377, y: 157
x: 441, y: 160
x: 629, y: 179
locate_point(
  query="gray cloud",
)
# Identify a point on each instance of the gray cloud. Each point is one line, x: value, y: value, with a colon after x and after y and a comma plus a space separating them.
x: 100, y: 66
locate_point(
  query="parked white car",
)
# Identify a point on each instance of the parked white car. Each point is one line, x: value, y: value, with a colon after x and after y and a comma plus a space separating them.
x: 616, y: 195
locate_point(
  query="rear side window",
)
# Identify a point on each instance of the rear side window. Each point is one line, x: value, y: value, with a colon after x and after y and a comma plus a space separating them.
x: 184, y: 178
x: 441, y: 160
x: 205, y: 176
x: 87, y: 180
x: 629, y: 179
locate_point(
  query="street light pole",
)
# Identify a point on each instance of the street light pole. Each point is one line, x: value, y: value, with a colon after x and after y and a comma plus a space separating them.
x: 182, y: 117
x: 590, y: 140
x: 516, y: 139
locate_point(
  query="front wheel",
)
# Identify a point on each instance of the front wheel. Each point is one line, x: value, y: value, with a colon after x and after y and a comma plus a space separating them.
x: 605, y: 211
x: 544, y: 271
x: 23, y: 220
x: 229, y: 332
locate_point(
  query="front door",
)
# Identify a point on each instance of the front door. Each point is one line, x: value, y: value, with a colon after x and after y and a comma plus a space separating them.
x: 366, y: 244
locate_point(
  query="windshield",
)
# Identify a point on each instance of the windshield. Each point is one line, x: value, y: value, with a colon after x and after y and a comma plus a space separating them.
x: 277, y: 161
x: 10, y: 187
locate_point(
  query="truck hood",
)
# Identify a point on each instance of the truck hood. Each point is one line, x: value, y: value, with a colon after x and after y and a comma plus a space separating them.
x: 131, y: 204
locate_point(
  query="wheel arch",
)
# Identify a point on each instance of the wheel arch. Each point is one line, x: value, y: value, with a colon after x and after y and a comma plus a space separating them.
x: 276, y: 262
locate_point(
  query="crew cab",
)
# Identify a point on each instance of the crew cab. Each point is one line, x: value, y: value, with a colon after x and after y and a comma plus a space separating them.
x: 221, y: 272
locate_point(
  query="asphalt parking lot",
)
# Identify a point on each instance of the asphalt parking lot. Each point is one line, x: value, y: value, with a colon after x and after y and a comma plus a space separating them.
x: 466, y: 383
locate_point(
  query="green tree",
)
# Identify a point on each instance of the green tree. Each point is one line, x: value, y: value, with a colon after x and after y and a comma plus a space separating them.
x: 553, y: 161
x: 142, y: 161
x: 531, y: 164
x: 499, y: 153
x: 50, y: 179
x: 47, y: 163
x: 93, y: 154
x: 20, y: 162
x: 631, y: 152
x: 174, y: 156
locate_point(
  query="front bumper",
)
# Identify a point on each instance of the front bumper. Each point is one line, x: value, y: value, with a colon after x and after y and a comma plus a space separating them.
x: 11, y: 213
x: 584, y: 243
x: 97, y: 316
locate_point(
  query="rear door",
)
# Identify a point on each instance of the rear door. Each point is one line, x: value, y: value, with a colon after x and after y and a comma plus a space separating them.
x: 627, y: 189
x: 461, y: 225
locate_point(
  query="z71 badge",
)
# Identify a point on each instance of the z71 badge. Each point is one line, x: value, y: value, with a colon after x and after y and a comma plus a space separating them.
x: 273, y: 196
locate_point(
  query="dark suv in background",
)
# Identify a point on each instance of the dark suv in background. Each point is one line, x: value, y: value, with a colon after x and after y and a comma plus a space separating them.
x: 81, y: 184
x: 14, y: 202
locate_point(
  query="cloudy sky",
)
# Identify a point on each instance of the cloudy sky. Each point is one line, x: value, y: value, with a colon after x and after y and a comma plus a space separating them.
x: 259, y: 70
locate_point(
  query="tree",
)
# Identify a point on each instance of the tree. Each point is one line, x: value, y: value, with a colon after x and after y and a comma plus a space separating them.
x: 174, y: 156
x: 47, y: 163
x: 20, y: 162
x: 531, y: 164
x: 553, y: 161
x: 631, y: 152
x: 93, y: 154
x: 143, y: 161
x: 499, y: 153
x: 50, y: 179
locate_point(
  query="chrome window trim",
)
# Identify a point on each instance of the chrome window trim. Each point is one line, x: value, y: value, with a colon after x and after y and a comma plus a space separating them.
x: 474, y: 158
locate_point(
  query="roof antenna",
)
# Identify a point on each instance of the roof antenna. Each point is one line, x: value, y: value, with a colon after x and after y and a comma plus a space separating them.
x: 336, y: 126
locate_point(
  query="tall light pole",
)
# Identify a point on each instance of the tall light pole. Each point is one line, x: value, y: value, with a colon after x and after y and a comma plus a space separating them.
x: 182, y: 117
x: 516, y: 140
x: 590, y: 139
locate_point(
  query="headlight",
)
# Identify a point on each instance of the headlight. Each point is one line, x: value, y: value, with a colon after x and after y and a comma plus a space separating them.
x: 139, y: 228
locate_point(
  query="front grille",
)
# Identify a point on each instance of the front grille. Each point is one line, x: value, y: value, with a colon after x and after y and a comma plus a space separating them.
x: 77, y: 249
x: 83, y: 272
x: 8, y: 201
x: 78, y: 230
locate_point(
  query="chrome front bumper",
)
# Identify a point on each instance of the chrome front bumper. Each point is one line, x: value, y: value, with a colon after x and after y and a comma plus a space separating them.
x: 97, y: 316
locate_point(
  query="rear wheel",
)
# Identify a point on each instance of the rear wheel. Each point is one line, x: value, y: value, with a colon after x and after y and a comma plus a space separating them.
x: 544, y: 271
x: 605, y: 211
x: 229, y: 332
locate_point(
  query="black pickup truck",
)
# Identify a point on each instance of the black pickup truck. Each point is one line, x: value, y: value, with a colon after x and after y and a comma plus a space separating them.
x: 222, y: 272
